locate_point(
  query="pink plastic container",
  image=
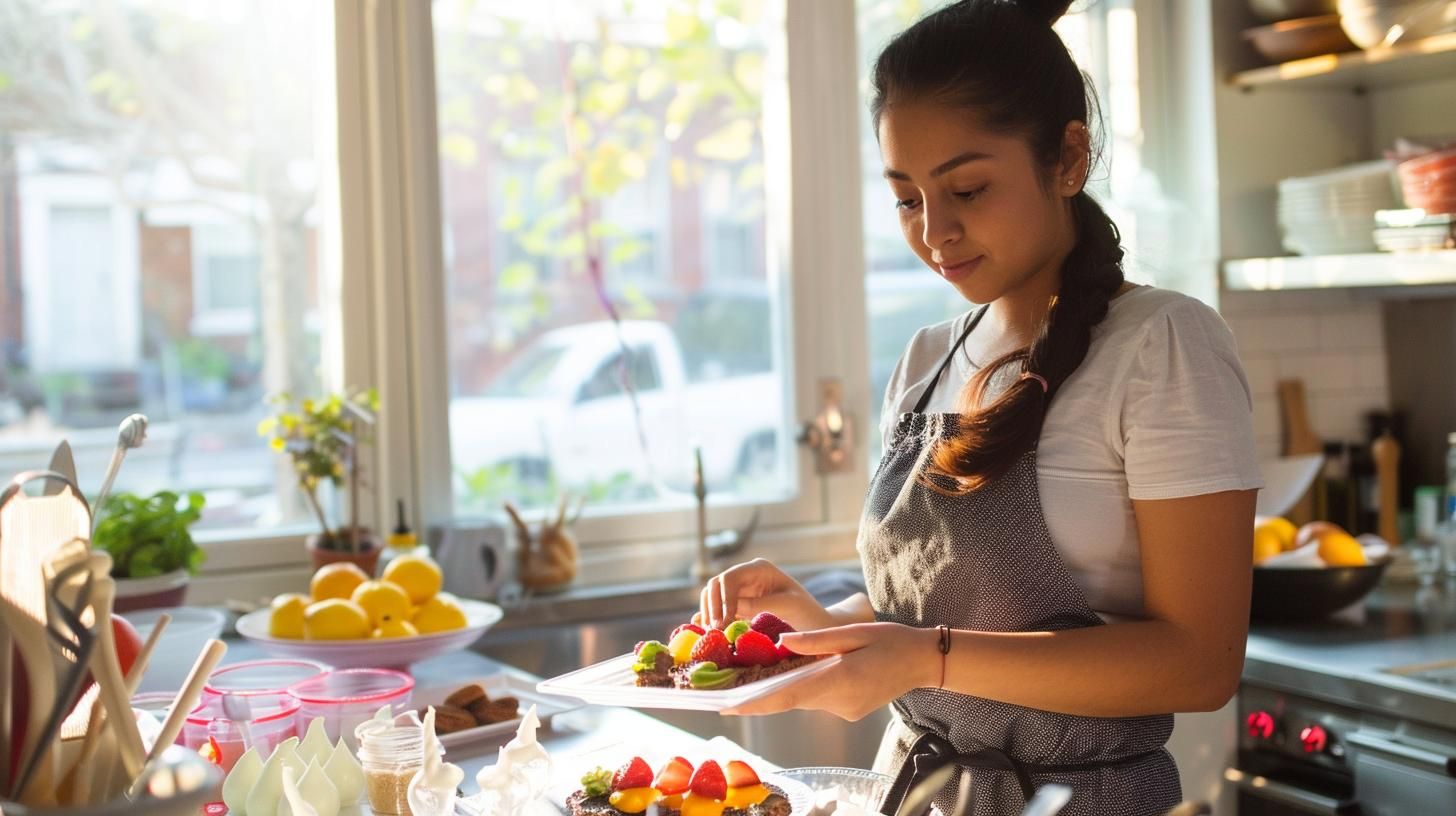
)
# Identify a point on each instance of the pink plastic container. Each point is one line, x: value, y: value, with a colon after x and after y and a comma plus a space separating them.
x: 261, y: 677
x: 348, y: 697
x: 274, y: 718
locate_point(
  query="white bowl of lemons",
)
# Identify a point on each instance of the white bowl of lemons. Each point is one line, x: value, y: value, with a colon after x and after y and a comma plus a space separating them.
x: 349, y: 620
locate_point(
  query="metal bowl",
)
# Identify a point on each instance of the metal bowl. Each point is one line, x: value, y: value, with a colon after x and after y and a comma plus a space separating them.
x: 1293, y: 594
x: 1298, y: 39
x: 179, y: 784
x: 855, y: 786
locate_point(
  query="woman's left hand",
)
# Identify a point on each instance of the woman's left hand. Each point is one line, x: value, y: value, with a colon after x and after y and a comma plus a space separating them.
x: 880, y: 662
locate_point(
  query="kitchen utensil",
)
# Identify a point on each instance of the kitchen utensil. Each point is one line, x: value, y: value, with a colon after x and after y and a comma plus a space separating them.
x: 31, y: 529
x: 1300, y: 38
x: 1048, y: 801
x: 68, y: 578
x: 187, y: 698
x: 130, y: 434
x: 75, y: 788
x: 1294, y: 594
x: 965, y: 803
x: 1272, y: 11
x: 1299, y: 439
x: 367, y: 653
x: 918, y: 800
x: 106, y: 667
x: 63, y: 463
x: 180, y: 784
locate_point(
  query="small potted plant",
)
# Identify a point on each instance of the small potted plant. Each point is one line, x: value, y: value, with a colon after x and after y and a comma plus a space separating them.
x: 322, y: 438
x: 152, y: 552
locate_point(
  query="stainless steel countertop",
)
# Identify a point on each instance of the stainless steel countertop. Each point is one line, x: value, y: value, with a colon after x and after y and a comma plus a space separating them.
x: 1347, y: 658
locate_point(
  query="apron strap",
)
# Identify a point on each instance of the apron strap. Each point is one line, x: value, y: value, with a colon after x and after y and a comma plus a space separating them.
x: 944, y: 364
x: 932, y: 752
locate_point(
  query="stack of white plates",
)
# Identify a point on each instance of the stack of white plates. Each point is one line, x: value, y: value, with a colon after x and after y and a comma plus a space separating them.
x: 1333, y: 213
x: 1414, y: 231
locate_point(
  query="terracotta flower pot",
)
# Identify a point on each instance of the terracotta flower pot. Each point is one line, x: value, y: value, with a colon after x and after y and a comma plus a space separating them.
x: 161, y: 591
x: 367, y: 558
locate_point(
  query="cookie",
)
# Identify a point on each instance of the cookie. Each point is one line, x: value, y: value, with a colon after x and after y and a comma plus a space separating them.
x: 464, y: 697
x: 489, y: 713
x: 449, y: 719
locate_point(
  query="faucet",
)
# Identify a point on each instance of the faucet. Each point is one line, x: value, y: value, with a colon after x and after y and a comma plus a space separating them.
x: 721, y: 544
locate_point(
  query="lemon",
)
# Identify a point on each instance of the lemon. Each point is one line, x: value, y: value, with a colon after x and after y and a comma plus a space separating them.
x: 1266, y: 543
x: 439, y: 614
x: 287, y: 618
x: 1339, y: 549
x: 394, y: 629
x: 335, y: 619
x: 417, y: 575
x: 337, y: 580
x: 1282, y: 528
x: 383, y: 601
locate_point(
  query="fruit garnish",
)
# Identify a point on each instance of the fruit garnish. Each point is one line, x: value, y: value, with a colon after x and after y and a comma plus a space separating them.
x: 708, y: 781
x: 633, y: 800
x: 702, y: 806
x: 597, y: 782
x: 746, y: 797
x: 707, y: 676
x: 713, y: 648
x: 681, y: 645
x: 688, y: 627
x: 647, y: 655
x: 739, y: 775
x: 674, y: 777
x: 635, y: 773
x: 785, y: 652
x: 769, y: 624
x: 755, y: 649
x: 674, y: 802
x: 735, y: 629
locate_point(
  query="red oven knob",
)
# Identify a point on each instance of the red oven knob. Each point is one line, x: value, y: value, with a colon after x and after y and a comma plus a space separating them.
x: 1314, y: 739
x: 1260, y: 725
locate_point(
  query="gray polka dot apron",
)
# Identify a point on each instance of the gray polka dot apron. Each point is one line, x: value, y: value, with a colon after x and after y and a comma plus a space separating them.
x: 986, y: 562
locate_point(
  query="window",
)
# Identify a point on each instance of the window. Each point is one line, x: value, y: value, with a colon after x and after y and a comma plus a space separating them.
x: 158, y: 209
x: 600, y: 126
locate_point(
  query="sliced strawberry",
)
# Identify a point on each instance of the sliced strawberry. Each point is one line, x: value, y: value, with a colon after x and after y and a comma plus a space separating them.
x: 755, y: 649
x: 708, y: 781
x: 713, y: 647
x: 674, y: 777
x: 784, y: 652
x: 691, y: 627
x: 769, y: 624
x: 635, y: 774
x: 740, y: 775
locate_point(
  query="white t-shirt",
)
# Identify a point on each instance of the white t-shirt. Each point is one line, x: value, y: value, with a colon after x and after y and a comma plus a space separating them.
x: 1159, y: 409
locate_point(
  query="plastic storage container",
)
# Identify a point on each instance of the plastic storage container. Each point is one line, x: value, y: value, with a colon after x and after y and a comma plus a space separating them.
x: 348, y: 697
x: 273, y: 719
x: 261, y: 677
x: 390, y: 754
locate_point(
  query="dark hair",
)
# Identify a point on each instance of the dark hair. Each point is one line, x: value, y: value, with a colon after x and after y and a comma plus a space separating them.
x: 1001, y: 61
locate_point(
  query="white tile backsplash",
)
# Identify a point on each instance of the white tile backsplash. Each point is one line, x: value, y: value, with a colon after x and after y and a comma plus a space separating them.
x: 1330, y: 340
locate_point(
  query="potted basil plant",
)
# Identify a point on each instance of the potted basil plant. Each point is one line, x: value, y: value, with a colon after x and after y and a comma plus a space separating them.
x: 149, y: 538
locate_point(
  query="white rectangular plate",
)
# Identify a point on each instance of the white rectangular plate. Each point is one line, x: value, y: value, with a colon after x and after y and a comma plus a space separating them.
x: 496, y: 685
x: 613, y: 683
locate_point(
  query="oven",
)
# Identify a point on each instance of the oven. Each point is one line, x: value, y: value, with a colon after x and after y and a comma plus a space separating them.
x: 1298, y: 755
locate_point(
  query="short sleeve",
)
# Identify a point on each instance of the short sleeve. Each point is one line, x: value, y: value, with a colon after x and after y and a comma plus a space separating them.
x: 1186, y: 424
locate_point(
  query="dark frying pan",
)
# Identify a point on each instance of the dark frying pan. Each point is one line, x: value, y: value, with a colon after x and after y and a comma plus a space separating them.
x: 1310, y: 593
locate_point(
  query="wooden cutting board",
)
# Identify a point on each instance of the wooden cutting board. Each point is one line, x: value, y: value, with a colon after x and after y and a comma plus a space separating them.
x: 1299, y: 439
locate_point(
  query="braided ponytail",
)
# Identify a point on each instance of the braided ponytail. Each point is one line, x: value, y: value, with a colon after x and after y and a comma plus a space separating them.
x: 1001, y: 60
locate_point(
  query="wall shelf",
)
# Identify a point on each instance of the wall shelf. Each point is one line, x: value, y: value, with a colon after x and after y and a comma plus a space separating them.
x: 1378, y: 269
x: 1419, y: 61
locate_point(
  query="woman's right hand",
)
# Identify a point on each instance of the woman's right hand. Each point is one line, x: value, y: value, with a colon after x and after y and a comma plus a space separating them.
x: 758, y: 586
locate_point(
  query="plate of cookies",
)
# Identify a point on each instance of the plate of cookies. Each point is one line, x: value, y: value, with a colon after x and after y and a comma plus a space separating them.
x: 490, y: 706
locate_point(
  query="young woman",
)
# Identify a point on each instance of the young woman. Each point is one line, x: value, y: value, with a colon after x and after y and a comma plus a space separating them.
x: 1056, y: 542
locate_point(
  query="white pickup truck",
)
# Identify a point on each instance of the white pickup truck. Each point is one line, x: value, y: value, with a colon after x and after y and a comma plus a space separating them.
x: 560, y: 407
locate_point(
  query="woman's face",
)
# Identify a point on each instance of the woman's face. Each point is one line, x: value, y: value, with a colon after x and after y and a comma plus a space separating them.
x: 974, y: 205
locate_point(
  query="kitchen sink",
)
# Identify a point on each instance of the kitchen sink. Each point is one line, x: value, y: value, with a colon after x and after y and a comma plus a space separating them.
x: 792, y: 739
